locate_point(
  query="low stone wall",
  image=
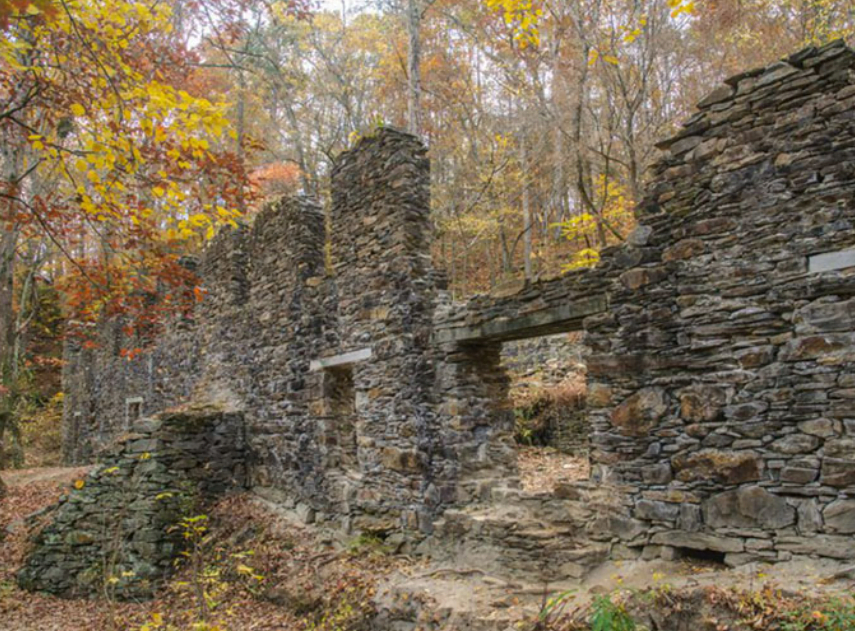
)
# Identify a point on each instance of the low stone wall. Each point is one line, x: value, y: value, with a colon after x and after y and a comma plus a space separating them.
x: 119, y: 531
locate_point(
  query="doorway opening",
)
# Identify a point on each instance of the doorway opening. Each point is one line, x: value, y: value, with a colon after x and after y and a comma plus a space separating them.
x: 340, y: 397
x: 547, y: 379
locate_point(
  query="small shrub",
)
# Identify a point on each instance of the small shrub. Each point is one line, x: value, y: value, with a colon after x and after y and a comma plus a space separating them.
x: 607, y: 615
x: 368, y: 543
x: 552, y: 610
x: 350, y: 611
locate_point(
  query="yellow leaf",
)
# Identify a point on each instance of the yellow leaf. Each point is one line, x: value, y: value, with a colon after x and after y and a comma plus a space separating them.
x: 199, y: 220
x: 79, y: 484
x: 610, y: 59
x: 77, y: 109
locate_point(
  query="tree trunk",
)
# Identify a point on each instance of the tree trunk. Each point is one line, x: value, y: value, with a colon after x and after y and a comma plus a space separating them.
x: 526, y: 204
x: 241, y: 129
x: 8, y: 245
x: 414, y: 54
x: 305, y: 183
x: 559, y: 179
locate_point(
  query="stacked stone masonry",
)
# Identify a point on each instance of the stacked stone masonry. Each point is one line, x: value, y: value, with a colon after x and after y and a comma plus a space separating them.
x: 721, y: 374
x: 120, y: 528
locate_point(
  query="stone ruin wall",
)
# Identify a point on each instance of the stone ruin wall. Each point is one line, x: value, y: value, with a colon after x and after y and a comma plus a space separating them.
x: 726, y: 393
x: 720, y: 380
x: 270, y: 308
x: 722, y: 339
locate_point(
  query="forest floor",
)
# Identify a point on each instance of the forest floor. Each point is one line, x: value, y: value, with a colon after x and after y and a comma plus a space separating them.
x: 264, y: 571
x: 261, y: 572
x: 542, y: 468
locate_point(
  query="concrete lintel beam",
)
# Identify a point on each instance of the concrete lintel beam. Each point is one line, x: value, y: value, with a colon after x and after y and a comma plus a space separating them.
x: 340, y: 360
x: 830, y: 261
x: 562, y: 318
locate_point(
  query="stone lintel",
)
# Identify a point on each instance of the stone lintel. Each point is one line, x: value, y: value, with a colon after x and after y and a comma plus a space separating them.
x: 560, y: 319
x: 340, y: 360
x: 830, y: 261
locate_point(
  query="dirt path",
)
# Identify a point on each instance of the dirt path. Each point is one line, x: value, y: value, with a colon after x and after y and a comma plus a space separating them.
x: 22, y: 477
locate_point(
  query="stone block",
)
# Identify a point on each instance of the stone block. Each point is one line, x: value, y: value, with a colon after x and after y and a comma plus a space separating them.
x: 404, y: 460
x: 832, y: 546
x: 826, y: 316
x: 797, y: 475
x: 668, y: 553
x: 839, y: 516
x: 817, y: 346
x: 838, y: 472
x: 305, y: 513
x: 702, y: 403
x: 656, y: 511
x: 623, y: 527
x: 649, y: 553
x: 821, y: 427
x: 748, y: 507
x: 714, y: 464
x: 796, y: 444
x: 698, y: 541
x: 640, y: 412
x: 809, y: 517
x: 640, y: 236
x: 642, y: 276
x: 691, y: 518
x: 657, y: 473
x: 682, y: 250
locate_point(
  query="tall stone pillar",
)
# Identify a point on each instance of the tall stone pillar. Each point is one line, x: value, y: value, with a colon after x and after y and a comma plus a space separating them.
x: 380, y: 243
